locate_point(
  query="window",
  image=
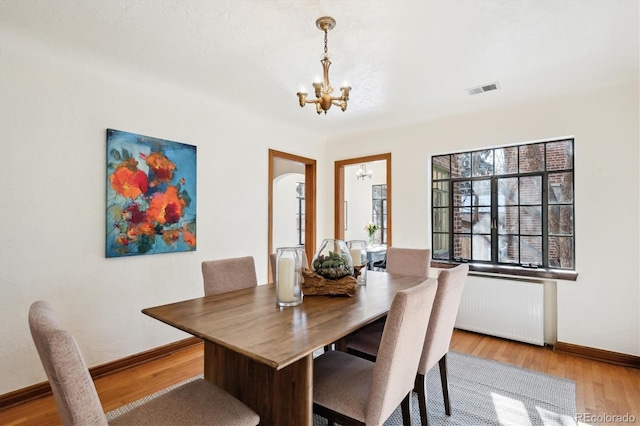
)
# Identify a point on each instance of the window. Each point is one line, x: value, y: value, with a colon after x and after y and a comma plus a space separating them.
x: 379, y: 212
x: 505, y: 206
x: 300, y: 209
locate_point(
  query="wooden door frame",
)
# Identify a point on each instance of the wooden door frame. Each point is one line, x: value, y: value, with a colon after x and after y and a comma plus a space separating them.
x: 310, y: 202
x: 338, y: 220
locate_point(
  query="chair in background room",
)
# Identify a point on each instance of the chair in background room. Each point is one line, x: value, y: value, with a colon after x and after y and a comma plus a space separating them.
x: 438, y: 338
x: 380, y: 265
x: 223, y: 275
x: 196, y: 402
x: 352, y: 390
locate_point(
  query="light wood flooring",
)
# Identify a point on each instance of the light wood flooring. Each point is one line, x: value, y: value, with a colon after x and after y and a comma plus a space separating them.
x: 601, y: 388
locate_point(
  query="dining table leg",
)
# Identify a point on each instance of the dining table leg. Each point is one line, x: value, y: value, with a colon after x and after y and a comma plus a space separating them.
x: 280, y: 397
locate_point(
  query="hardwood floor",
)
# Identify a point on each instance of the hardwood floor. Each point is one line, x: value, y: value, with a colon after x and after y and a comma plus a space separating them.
x: 601, y: 388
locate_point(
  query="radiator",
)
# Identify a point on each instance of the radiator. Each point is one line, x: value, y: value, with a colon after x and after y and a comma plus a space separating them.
x: 510, y: 308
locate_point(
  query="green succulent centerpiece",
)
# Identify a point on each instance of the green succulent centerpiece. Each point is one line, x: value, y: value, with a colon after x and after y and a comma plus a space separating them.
x: 333, y: 260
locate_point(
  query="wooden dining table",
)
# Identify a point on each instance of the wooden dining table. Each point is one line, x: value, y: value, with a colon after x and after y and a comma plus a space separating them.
x: 263, y: 354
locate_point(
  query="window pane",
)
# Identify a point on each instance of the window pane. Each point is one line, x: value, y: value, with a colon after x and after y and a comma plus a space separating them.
x: 506, y: 160
x: 377, y: 208
x: 482, y: 247
x: 481, y: 192
x: 462, y: 246
x: 508, y: 249
x: 559, y: 155
x: 561, y: 252
x: 441, y: 167
x: 531, y: 190
x: 481, y: 217
x: 461, y: 165
x: 531, y: 220
x: 462, y: 220
x: 462, y: 193
x: 532, y: 158
x: 508, y: 220
x: 531, y: 250
x: 560, y: 188
x: 560, y: 220
x: 440, y: 194
x: 440, y: 220
x: 482, y: 163
x: 508, y: 191
x: 441, y: 246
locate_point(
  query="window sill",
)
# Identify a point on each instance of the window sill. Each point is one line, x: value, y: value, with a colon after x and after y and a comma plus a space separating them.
x: 557, y: 274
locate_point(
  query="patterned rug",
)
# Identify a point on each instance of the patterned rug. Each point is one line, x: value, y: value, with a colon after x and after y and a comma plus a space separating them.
x: 482, y: 392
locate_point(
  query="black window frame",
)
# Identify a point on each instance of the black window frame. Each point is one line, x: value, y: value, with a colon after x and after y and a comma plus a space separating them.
x: 381, y: 202
x: 443, y: 204
x: 300, y: 214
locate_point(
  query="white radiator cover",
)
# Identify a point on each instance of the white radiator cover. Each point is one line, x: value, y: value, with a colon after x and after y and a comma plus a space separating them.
x: 516, y: 309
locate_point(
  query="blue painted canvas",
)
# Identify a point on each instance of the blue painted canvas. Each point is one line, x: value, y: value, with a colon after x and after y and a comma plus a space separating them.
x: 151, y: 195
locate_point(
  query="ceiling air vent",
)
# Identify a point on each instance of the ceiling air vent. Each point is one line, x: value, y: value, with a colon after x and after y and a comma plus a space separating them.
x: 484, y: 88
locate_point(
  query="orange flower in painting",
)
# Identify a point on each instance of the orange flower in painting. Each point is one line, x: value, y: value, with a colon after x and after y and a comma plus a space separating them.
x: 188, y: 237
x: 128, y: 181
x: 122, y: 239
x: 146, y: 228
x: 133, y: 232
x: 161, y: 166
x: 171, y: 236
x: 166, y: 207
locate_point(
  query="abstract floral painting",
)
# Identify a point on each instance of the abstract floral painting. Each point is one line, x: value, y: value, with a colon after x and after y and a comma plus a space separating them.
x: 151, y: 195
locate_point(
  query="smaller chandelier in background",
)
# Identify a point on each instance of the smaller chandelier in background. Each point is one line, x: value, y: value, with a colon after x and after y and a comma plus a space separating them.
x: 363, y: 173
x: 323, y: 89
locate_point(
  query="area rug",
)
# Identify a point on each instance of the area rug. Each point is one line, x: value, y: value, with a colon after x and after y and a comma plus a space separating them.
x: 482, y: 392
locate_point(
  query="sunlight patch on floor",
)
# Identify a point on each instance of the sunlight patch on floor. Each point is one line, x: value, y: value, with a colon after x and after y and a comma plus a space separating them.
x: 510, y: 411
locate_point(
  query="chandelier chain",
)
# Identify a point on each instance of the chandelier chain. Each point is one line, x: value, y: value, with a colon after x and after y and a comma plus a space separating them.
x: 325, y: 42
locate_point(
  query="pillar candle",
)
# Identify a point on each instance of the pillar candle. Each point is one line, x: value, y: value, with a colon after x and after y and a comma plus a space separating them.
x: 286, y: 277
x: 356, y: 256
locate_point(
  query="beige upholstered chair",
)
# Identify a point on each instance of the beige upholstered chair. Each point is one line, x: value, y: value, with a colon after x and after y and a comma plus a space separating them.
x: 352, y: 390
x: 438, y: 338
x: 223, y: 275
x: 272, y: 261
x: 414, y: 262
x: 197, y: 402
x: 436, y: 345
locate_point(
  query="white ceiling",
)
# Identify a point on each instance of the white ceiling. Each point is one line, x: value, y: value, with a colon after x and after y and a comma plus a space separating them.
x: 407, y: 61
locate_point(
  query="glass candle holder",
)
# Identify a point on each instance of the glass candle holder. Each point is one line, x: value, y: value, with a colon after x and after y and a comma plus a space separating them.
x: 358, y: 252
x: 289, y: 276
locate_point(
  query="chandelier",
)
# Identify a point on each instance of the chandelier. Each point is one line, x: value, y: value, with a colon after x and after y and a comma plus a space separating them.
x: 323, y: 89
x: 363, y: 173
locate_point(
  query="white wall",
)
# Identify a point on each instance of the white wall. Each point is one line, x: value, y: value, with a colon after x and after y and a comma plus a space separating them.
x: 600, y: 309
x: 54, y: 109
x: 285, y: 204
